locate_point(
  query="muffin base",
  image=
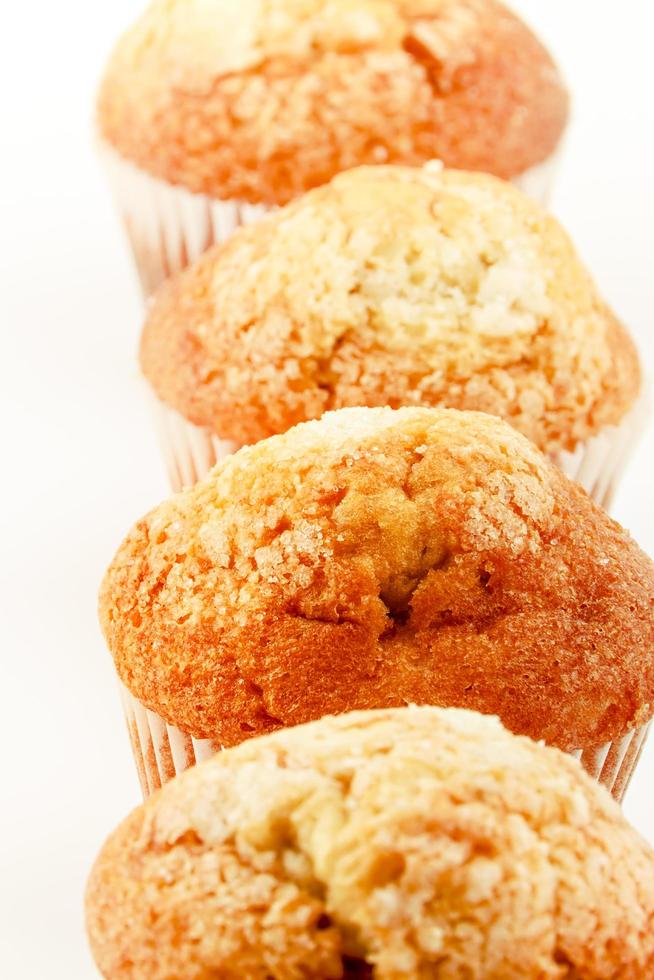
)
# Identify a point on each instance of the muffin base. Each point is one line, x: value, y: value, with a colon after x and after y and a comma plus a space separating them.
x: 599, y: 463
x: 169, y: 227
x: 190, y: 451
x: 538, y: 182
x: 162, y: 751
x: 614, y: 763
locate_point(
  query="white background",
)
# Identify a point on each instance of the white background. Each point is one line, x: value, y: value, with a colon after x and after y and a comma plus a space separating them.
x: 77, y: 454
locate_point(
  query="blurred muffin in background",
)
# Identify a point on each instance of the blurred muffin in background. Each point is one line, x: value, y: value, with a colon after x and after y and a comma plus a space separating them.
x: 410, y: 843
x: 394, y: 286
x: 376, y: 558
x: 213, y: 111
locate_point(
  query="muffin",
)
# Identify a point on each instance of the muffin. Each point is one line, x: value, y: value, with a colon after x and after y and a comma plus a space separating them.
x: 411, y: 843
x: 212, y: 112
x: 394, y: 286
x: 377, y: 558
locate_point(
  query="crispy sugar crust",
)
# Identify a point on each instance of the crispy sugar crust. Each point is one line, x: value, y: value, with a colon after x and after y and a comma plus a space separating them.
x: 377, y: 558
x: 262, y: 100
x: 393, y: 286
x: 419, y: 842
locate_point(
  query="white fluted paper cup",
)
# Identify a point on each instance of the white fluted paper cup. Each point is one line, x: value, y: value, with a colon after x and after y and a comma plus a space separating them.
x: 538, y: 182
x: 162, y: 751
x: 189, y: 451
x: 613, y: 764
x: 598, y: 464
x: 169, y: 227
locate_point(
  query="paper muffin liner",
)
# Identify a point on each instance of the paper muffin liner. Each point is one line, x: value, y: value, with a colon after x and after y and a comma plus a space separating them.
x: 169, y: 227
x: 162, y: 751
x: 614, y: 763
x: 190, y: 451
x: 538, y: 182
x: 599, y: 463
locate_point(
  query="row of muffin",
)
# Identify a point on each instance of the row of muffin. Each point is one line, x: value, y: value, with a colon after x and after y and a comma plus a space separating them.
x: 402, y: 548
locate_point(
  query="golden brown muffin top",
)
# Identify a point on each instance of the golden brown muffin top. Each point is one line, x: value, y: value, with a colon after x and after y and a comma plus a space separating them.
x: 393, y: 286
x: 377, y: 558
x: 261, y: 100
x: 411, y: 843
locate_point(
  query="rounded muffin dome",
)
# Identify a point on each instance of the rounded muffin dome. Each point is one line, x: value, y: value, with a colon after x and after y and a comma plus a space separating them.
x: 386, y: 844
x: 263, y: 99
x: 393, y: 286
x: 376, y: 558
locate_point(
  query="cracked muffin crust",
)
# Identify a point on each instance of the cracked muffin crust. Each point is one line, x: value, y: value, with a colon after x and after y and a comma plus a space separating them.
x: 393, y: 286
x: 262, y: 100
x: 410, y: 843
x: 377, y: 558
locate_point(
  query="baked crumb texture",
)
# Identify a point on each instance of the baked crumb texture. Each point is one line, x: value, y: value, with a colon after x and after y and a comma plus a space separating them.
x: 390, y: 844
x: 376, y: 558
x: 262, y: 100
x: 393, y: 286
